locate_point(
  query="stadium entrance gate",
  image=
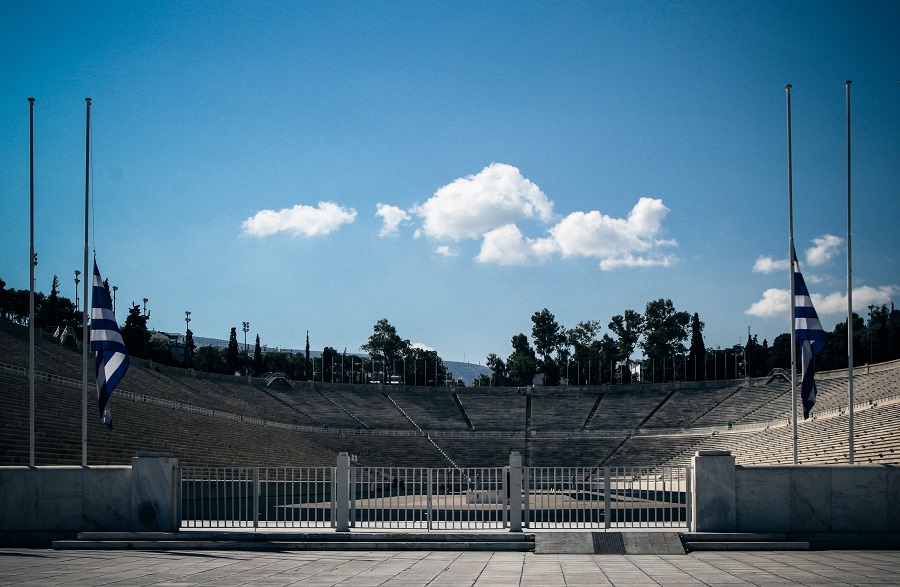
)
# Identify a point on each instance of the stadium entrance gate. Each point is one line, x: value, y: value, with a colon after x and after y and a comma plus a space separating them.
x: 346, y: 497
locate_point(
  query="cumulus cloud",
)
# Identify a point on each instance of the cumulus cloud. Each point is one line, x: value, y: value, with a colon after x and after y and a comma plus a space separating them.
x: 770, y: 265
x: 823, y: 250
x: 863, y: 297
x: 445, y: 251
x: 615, y: 241
x: 777, y: 302
x: 301, y: 220
x: 392, y: 216
x: 423, y: 346
x: 507, y: 246
x: 474, y: 205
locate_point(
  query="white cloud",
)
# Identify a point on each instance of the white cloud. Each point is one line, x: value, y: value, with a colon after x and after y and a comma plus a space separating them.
x: 507, y: 246
x: 615, y: 241
x: 472, y: 206
x: 300, y: 220
x: 632, y: 261
x: 777, y: 302
x: 863, y: 297
x: 445, y: 251
x: 823, y: 250
x: 770, y: 265
x: 423, y: 346
x: 392, y: 217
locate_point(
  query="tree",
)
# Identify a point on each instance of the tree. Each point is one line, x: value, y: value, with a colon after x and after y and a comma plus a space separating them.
x: 189, y: 349
x: 586, y: 351
x: 522, y: 363
x: 51, y: 310
x: 232, y: 353
x: 329, y: 358
x: 210, y: 360
x: 258, y: 367
x: 135, y: 334
x: 781, y: 351
x: 664, y: 333
x: 425, y: 367
x: 385, y: 345
x: 834, y: 355
x: 697, y: 352
x: 499, y: 376
x: 627, y: 327
x: 549, y: 342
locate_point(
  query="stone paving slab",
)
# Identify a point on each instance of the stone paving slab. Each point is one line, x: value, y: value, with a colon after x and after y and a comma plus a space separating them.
x: 436, y: 569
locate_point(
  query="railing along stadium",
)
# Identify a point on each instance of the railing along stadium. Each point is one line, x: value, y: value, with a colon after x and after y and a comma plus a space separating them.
x: 435, y: 498
x: 606, y: 433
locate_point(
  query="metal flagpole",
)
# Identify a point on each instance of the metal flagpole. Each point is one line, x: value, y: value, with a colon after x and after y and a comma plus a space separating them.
x: 849, y: 286
x: 31, y: 263
x: 85, y: 337
x: 791, y: 265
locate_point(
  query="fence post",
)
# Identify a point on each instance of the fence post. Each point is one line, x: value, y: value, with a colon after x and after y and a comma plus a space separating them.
x: 514, y: 491
x: 606, y: 500
x: 341, y: 498
x: 430, y: 510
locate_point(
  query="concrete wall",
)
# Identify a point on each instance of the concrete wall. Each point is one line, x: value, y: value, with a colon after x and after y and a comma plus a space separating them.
x: 40, y: 504
x: 835, y: 498
x: 800, y: 499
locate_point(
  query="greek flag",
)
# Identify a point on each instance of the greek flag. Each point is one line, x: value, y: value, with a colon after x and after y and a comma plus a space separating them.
x: 808, y: 331
x: 110, y: 354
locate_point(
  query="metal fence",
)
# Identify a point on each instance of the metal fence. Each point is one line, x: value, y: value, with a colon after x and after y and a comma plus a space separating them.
x: 430, y: 499
x: 345, y: 497
x: 256, y: 497
x: 606, y: 497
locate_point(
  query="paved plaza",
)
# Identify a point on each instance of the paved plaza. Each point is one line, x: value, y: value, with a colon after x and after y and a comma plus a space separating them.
x: 453, y: 569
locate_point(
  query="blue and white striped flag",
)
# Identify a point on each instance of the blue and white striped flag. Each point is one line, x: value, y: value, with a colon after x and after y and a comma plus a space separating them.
x: 110, y: 354
x: 808, y: 331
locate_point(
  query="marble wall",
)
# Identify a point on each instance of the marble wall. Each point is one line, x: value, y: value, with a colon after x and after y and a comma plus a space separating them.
x: 798, y: 499
x: 834, y: 498
x: 65, y: 499
x: 81, y: 499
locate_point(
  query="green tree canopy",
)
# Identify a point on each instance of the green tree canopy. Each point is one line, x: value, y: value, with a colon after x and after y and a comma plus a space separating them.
x: 232, y: 354
x: 385, y: 345
x: 522, y: 363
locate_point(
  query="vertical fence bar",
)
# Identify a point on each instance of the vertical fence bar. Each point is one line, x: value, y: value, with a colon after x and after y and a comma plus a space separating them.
x: 255, y: 497
x: 607, y: 489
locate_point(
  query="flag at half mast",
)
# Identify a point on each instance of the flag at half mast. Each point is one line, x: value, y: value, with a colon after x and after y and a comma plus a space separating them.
x: 809, y: 333
x: 111, y: 356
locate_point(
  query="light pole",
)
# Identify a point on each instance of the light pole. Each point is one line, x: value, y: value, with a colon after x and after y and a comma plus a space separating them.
x: 187, y: 330
x: 115, y: 289
x: 246, y: 327
x: 146, y: 316
x: 77, y: 281
x: 871, y: 331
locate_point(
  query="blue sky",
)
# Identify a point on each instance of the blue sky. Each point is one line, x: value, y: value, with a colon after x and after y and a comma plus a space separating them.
x: 452, y: 167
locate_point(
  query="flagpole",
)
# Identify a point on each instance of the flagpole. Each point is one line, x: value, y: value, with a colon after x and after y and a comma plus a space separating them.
x: 791, y: 269
x: 849, y: 286
x: 85, y: 338
x: 31, y: 264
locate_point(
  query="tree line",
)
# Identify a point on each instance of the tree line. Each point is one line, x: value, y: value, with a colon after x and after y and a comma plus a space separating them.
x: 670, y: 342
x: 671, y: 349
